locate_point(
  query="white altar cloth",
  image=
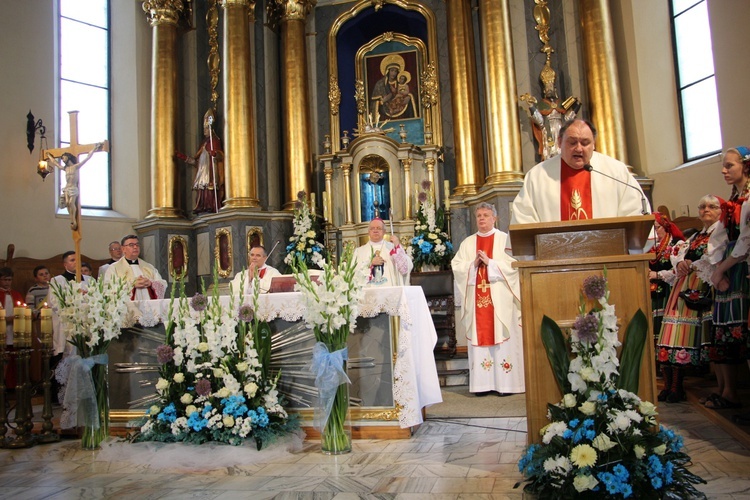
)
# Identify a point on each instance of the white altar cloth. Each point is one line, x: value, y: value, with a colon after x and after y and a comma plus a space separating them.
x: 415, y: 377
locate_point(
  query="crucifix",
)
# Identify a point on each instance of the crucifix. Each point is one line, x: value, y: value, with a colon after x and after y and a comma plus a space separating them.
x: 71, y: 165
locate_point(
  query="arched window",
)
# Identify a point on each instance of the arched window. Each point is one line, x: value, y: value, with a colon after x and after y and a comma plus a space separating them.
x: 84, y: 82
x: 696, y: 81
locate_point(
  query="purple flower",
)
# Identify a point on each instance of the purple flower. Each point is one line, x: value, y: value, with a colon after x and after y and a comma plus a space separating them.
x: 587, y: 328
x: 298, y: 205
x: 301, y: 195
x: 422, y: 197
x: 203, y: 387
x: 164, y: 354
x: 198, y: 302
x: 594, y: 287
x: 246, y: 313
x: 426, y: 185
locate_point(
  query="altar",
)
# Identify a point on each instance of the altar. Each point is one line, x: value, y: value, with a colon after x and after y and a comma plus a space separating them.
x: 391, y: 363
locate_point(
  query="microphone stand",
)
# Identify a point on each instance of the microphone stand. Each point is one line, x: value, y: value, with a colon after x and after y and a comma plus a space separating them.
x: 644, y: 204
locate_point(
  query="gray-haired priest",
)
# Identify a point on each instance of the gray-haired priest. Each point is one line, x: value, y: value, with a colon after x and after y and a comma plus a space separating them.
x: 490, y: 307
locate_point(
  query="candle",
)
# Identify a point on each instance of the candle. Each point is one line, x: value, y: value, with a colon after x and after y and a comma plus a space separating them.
x: 2, y: 317
x: 46, y: 325
x: 447, y: 195
x: 312, y: 203
x: 18, y: 322
x: 26, y: 326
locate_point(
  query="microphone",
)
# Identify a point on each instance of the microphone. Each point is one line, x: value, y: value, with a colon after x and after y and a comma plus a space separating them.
x: 644, y: 203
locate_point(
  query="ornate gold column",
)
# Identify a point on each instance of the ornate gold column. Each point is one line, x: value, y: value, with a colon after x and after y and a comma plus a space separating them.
x: 501, y: 111
x: 406, y: 163
x: 464, y: 98
x: 295, y: 97
x: 347, y: 168
x: 163, y: 16
x: 239, y: 129
x: 602, y: 78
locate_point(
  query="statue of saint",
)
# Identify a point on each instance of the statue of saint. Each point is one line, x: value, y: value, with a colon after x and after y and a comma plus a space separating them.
x: 69, y: 195
x: 549, y: 115
x: 209, y: 178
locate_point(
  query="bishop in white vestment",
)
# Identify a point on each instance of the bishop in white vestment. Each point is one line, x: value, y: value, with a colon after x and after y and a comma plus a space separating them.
x: 388, y: 262
x: 490, y: 307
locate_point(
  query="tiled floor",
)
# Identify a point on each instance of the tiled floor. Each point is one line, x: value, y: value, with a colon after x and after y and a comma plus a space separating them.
x: 473, y: 458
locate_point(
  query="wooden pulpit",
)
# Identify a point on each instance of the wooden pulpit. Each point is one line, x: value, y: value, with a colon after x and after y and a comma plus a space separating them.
x: 554, y: 259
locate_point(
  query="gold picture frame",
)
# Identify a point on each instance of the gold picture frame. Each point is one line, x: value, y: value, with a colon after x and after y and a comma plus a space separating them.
x: 223, y: 253
x: 179, y: 257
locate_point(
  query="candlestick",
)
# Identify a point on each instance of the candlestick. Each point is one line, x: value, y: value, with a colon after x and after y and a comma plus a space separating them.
x: 2, y: 317
x: 325, y: 205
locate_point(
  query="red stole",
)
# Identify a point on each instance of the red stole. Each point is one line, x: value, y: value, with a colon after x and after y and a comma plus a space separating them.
x: 151, y: 293
x: 483, y: 307
x: 262, y: 273
x: 575, y: 193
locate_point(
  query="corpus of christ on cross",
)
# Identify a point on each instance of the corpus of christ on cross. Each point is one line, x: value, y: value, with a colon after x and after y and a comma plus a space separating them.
x: 70, y: 196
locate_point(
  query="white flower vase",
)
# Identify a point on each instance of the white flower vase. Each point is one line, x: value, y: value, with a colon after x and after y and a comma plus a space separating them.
x: 430, y: 268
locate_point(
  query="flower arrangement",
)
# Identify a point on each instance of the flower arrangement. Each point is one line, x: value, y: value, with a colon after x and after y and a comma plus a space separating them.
x: 91, y: 316
x: 431, y: 244
x: 213, y: 383
x: 304, y: 244
x: 603, y: 440
x: 331, y: 310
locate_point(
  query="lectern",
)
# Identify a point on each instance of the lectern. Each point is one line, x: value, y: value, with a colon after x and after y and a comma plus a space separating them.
x: 554, y: 259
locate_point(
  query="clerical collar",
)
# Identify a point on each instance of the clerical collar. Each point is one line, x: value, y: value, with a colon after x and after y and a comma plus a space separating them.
x: 491, y: 231
x: 132, y: 262
x: 69, y: 276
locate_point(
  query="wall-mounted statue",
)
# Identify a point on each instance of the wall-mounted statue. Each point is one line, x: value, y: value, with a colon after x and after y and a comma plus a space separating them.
x: 549, y: 114
x: 209, y: 178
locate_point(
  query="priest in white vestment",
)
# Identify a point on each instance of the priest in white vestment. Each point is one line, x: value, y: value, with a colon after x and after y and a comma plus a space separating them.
x: 265, y: 273
x: 561, y: 188
x: 142, y: 278
x: 490, y: 307
x: 388, y: 262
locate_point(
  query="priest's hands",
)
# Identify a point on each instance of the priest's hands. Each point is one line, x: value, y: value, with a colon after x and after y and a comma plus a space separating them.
x: 481, y: 259
x: 396, y: 242
x: 142, y: 282
x: 377, y: 261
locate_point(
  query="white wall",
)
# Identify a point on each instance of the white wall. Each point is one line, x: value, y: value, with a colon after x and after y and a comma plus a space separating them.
x: 28, y: 34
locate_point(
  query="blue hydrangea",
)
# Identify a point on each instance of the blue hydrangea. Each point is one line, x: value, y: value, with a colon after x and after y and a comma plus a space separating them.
x: 196, y: 421
x: 425, y: 247
x: 234, y: 405
x: 168, y: 414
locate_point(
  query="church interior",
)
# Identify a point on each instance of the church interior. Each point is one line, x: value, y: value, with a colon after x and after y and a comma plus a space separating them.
x: 358, y: 104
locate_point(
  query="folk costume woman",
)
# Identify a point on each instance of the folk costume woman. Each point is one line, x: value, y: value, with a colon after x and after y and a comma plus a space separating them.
x: 729, y: 347
x: 667, y: 236
x: 686, y: 322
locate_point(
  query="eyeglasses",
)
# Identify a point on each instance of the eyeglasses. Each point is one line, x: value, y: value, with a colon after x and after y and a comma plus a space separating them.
x: 710, y: 207
x: 132, y: 245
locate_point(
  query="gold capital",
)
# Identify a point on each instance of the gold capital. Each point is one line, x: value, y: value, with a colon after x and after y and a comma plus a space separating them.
x: 289, y: 10
x: 163, y: 11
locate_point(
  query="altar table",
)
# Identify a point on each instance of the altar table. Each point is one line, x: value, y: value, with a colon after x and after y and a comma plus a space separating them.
x: 415, y: 381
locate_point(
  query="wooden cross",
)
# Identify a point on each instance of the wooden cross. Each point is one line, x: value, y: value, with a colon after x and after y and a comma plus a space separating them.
x: 483, y: 286
x: 76, y: 149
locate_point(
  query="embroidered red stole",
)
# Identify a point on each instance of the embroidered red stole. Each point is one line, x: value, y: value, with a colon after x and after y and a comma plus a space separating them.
x: 485, y: 310
x: 575, y: 193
